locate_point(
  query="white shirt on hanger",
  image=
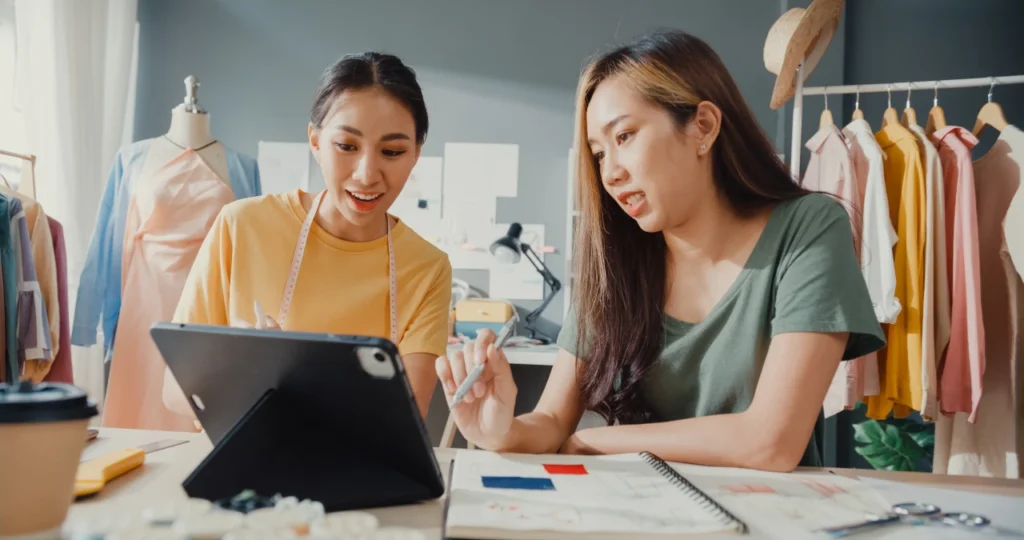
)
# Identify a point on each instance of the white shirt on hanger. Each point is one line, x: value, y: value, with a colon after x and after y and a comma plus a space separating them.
x: 1013, y: 225
x: 878, y: 236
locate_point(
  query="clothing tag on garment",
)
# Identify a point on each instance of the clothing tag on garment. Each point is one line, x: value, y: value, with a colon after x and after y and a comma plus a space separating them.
x: 517, y: 482
x: 554, y: 468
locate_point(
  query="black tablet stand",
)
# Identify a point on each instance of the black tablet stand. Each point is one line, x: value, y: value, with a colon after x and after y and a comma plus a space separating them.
x: 287, y: 446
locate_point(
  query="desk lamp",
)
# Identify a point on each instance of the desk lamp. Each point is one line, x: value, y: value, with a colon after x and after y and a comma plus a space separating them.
x: 509, y: 249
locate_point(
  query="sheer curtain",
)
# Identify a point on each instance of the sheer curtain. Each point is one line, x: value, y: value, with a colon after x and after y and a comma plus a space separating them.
x: 76, y: 86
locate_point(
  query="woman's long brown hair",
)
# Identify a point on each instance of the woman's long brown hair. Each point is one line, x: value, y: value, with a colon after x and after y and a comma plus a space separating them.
x: 621, y: 269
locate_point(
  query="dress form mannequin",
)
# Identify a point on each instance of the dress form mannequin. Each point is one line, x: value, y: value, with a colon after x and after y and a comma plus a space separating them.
x: 190, y: 128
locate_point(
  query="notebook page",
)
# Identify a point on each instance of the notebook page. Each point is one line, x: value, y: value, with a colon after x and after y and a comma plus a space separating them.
x: 570, y: 494
x: 787, y: 505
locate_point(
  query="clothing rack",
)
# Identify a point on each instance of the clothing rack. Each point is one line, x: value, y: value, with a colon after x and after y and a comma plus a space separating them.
x: 25, y: 187
x: 796, y: 144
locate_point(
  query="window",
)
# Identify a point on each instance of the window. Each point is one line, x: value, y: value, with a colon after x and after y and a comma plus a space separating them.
x: 12, y: 124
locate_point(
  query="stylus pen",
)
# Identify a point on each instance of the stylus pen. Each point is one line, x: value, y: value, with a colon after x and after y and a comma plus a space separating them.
x: 261, y: 317
x: 470, y: 380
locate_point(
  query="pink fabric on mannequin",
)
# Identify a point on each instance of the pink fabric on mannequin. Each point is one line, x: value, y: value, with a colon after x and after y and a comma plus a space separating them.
x: 168, y: 218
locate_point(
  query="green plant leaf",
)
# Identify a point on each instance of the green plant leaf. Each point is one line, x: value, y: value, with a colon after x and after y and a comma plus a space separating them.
x: 892, y: 437
x: 892, y: 445
x: 872, y: 450
x: 885, y: 460
x: 925, y: 439
x: 911, y: 426
x: 868, y: 431
x: 911, y: 449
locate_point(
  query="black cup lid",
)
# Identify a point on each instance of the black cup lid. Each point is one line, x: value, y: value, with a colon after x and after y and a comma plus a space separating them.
x: 45, y: 402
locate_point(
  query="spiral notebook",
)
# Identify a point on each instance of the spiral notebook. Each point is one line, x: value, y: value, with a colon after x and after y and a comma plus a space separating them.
x: 519, y: 496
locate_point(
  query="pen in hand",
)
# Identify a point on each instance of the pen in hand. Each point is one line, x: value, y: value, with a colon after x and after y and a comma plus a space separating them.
x: 467, y: 384
x: 261, y: 318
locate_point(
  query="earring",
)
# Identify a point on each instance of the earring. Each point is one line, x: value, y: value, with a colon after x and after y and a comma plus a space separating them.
x: 703, y: 147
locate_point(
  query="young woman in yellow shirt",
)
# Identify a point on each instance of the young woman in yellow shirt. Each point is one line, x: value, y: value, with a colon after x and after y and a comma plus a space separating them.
x: 335, y: 261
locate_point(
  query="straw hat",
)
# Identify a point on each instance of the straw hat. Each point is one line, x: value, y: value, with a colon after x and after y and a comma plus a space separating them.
x: 799, y: 35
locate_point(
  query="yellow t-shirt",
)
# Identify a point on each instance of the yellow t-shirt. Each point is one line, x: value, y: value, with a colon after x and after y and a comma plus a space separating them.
x: 900, y: 376
x: 342, y: 286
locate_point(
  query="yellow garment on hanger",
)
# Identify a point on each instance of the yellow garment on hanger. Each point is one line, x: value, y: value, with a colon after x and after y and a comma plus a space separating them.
x: 900, y: 377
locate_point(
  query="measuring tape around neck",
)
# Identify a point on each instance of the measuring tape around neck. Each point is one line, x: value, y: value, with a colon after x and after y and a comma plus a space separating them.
x: 300, y: 249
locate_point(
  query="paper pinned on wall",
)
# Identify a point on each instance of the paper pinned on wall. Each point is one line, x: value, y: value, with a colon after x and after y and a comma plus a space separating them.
x: 284, y: 166
x: 519, y: 281
x: 419, y: 203
x: 470, y: 204
x: 496, y: 165
x: 470, y: 258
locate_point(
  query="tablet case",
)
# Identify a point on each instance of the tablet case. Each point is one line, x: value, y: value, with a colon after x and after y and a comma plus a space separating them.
x: 299, y: 414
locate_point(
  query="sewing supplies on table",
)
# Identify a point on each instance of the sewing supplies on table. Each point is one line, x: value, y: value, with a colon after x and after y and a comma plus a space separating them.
x: 246, y: 516
x: 917, y: 514
x: 94, y: 474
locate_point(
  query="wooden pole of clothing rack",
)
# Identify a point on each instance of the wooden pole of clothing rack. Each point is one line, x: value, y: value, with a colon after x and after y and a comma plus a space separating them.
x: 917, y: 85
x: 796, y: 144
x: 27, y: 186
x: 26, y: 157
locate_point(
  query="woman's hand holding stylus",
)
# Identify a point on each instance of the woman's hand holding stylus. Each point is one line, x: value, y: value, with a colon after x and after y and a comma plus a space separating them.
x: 485, y: 414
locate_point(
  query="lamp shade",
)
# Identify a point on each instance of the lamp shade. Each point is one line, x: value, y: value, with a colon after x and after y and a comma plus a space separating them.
x: 507, y: 248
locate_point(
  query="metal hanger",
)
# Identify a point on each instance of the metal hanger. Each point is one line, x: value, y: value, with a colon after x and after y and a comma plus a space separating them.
x: 936, y: 116
x: 857, y: 113
x: 826, y: 115
x: 909, y: 116
x: 889, y: 116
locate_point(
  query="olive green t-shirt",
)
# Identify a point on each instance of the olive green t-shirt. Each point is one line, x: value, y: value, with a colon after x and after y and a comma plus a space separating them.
x: 802, y: 276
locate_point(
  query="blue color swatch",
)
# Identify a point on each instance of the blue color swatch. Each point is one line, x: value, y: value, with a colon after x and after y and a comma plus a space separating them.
x: 517, y: 482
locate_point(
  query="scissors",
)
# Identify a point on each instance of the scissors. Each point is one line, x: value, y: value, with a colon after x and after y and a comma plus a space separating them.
x: 916, y: 514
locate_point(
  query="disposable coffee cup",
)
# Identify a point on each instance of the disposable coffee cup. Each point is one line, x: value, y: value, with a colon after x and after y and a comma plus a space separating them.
x: 42, y: 433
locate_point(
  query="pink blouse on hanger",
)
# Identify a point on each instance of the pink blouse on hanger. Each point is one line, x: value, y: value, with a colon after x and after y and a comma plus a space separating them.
x: 960, y: 376
x: 168, y: 218
x: 990, y: 440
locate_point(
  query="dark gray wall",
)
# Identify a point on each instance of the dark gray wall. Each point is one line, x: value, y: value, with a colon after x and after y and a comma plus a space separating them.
x: 915, y: 40
x: 493, y: 71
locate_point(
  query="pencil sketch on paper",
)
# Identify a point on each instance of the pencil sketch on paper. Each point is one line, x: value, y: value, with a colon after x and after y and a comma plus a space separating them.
x: 805, y: 503
x: 525, y: 511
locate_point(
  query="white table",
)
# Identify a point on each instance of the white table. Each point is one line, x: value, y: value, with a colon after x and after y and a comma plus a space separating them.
x: 159, y: 481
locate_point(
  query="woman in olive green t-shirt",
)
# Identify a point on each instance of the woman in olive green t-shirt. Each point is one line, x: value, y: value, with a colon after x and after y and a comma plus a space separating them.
x: 715, y: 297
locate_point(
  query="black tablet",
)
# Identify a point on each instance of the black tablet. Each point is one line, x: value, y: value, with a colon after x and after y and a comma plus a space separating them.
x: 320, y: 416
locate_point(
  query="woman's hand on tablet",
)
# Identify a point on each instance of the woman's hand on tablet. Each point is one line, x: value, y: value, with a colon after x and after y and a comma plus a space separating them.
x: 263, y: 322
x: 268, y: 324
x: 485, y: 413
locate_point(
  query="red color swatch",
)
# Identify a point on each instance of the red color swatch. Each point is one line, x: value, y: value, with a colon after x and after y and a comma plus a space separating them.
x: 565, y: 469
